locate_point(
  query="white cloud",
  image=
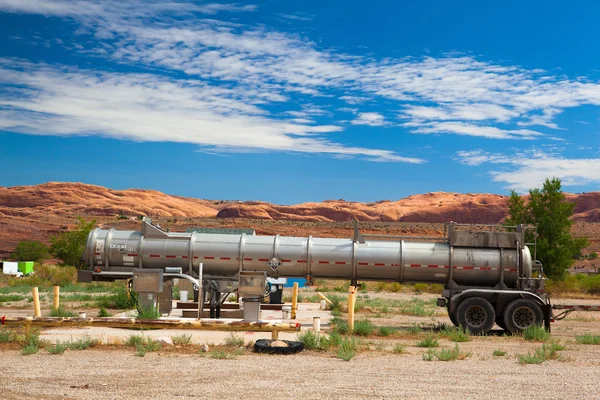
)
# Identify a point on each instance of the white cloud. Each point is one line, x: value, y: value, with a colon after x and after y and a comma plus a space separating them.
x: 146, y: 107
x: 369, y: 118
x: 234, y: 73
x: 461, y: 128
x: 529, y: 169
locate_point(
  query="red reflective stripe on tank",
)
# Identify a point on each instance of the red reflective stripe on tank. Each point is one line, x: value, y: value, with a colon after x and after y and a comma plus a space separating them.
x: 323, y: 262
x: 286, y: 260
x: 485, y: 268
x: 415, y: 265
x: 379, y: 265
x: 195, y: 256
x: 247, y: 259
x: 171, y: 256
x: 154, y: 255
x: 301, y: 261
x: 395, y: 265
x: 363, y: 263
x: 208, y: 258
x: 431, y: 266
x: 225, y: 258
x: 340, y: 262
x: 184, y: 256
x: 97, y: 254
x: 446, y: 266
x: 511, y: 269
x: 468, y: 267
x: 263, y: 259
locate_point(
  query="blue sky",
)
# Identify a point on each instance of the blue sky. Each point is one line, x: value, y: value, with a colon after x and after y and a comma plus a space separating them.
x: 300, y: 101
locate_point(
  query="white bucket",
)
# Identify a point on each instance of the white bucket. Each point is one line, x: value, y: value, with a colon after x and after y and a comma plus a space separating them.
x: 287, y: 312
x: 317, y: 324
x: 323, y: 305
x: 82, y: 315
x: 183, y: 296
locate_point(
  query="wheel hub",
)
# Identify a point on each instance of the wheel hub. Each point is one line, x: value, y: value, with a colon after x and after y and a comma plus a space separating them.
x: 523, y: 317
x: 476, y: 316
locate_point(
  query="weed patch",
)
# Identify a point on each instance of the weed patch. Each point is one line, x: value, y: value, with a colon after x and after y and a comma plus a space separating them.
x: 588, y: 338
x: 363, y: 327
x: 234, y: 340
x: 182, y: 340
x: 536, y: 333
x: 62, y: 312
x: 446, y: 354
x: 429, y: 341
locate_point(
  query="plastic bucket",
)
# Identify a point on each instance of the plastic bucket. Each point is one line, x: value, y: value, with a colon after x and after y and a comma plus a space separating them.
x: 183, y: 296
x: 286, y: 312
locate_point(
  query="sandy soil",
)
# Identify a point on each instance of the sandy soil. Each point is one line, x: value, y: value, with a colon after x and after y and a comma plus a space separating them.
x: 102, y: 374
x: 377, y: 373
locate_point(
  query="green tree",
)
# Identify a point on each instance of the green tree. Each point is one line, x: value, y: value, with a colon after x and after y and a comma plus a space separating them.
x: 549, y: 210
x: 30, y: 250
x: 68, y: 247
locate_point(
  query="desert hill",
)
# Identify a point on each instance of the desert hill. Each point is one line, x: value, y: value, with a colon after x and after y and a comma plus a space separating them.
x: 70, y: 199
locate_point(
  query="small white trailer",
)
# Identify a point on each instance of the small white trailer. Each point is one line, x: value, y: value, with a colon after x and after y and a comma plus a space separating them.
x: 11, y: 268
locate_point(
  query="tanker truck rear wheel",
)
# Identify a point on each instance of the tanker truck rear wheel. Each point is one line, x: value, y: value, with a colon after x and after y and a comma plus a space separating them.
x: 476, y: 314
x: 522, y: 314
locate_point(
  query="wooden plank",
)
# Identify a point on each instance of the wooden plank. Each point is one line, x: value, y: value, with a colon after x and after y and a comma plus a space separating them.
x: 115, y: 322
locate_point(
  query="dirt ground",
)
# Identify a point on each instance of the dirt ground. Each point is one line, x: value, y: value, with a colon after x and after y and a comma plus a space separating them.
x: 377, y: 373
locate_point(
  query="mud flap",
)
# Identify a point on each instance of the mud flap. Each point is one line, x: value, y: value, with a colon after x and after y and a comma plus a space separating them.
x: 547, y: 317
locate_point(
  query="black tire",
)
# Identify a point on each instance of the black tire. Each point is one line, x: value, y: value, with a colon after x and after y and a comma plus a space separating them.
x: 452, y: 317
x: 264, y: 346
x: 522, y: 314
x: 476, y: 314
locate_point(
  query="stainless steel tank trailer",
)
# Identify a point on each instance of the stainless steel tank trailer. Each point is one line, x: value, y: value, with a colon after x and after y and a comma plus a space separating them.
x: 489, y: 274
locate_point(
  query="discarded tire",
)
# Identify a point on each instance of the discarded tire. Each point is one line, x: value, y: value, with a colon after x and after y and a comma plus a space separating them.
x: 264, y: 346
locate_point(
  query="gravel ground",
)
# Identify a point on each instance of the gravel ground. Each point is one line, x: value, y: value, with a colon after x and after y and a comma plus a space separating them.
x: 119, y: 374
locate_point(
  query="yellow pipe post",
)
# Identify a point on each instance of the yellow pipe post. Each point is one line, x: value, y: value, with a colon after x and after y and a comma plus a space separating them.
x: 294, y: 300
x: 322, y: 296
x: 351, y: 302
x: 56, y: 298
x: 36, y: 302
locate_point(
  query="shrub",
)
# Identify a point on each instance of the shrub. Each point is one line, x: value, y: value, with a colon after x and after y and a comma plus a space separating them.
x: 363, y: 328
x: 29, y: 349
x: 69, y: 246
x: 182, y: 340
x: 399, y: 349
x: 456, y: 334
x: 446, y: 354
x: 221, y: 355
x: 347, y: 349
x: 588, y: 338
x: 536, y: 333
x: 148, y: 313
x: 30, y: 250
x: 340, y: 326
x: 309, y: 339
x: 499, y: 353
x: 103, y: 313
x: 544, y: 353
x: 82, y: 343
x: 58, y: 348
x: 6, y: 336
x: 385, y: 331
x: 134, y: 340
x: 62, y: 312
x: 234, y: 340
x: 429, y: 341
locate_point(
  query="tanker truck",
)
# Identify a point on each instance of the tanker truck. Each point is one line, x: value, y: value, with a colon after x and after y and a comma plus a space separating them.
x: 489, y: 274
